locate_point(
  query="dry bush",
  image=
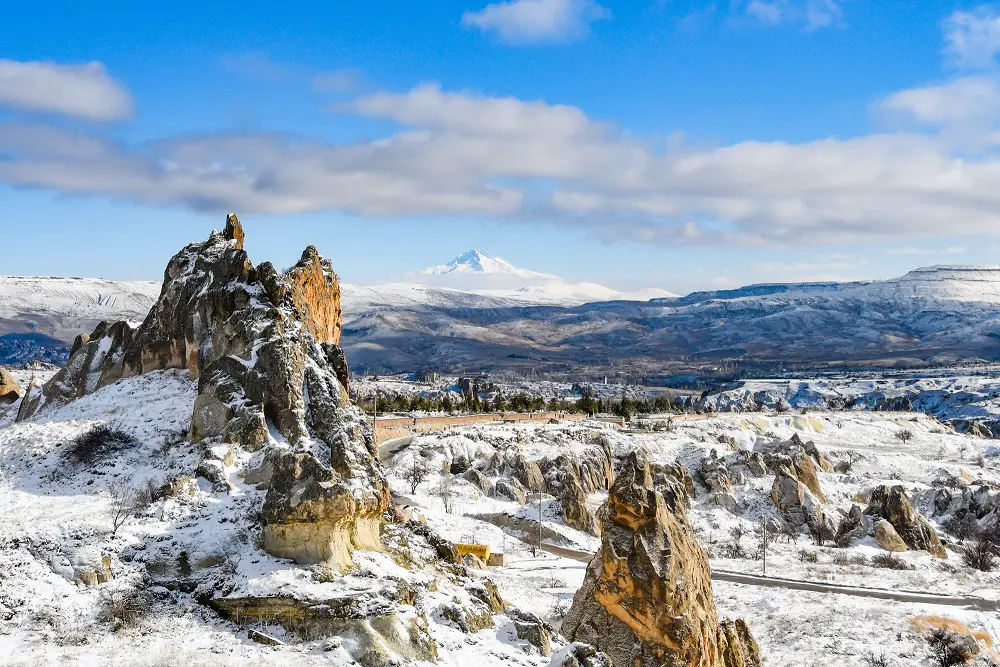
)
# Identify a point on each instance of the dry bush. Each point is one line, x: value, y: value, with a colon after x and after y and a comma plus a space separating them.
x: 126, y: 605
x: 872, y: 660
x: 925, y: 624
x: 888, y: 561
x: 147, y: 493
x: 91, y: 446
x: 981, y: 554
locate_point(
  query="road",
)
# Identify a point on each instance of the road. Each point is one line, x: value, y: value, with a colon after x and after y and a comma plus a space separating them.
x: 797, y: 585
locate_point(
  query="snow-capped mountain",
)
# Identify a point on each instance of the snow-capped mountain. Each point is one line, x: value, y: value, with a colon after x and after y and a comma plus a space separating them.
x: 480, y: 262
x: 478, y: 272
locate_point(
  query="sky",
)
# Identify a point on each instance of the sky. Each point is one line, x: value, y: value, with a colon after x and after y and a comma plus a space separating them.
x: 678, y: 144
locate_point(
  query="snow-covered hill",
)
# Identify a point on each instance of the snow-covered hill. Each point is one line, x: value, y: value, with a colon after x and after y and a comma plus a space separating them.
x: 935, y: 315
x: 39, y: 315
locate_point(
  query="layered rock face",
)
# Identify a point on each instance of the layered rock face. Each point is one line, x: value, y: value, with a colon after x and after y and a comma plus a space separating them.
x: 263, y: 348
x: 646, y: 600
x: 892, y: 505
x: 10, y: 391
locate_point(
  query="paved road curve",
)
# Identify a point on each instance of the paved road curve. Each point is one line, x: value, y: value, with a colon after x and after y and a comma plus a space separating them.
x: 797, y: 585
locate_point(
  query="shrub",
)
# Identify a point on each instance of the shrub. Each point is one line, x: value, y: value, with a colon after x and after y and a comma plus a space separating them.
x: 947, y: 648
x: 963, y: 527
x: 90, y: 446
x: 125, y: 605
x: 872, y: 660
x: 888, y: 561
x: 733, y: 550
x: 807, y: 556
x: 147, y: 493
x: 980, y: 554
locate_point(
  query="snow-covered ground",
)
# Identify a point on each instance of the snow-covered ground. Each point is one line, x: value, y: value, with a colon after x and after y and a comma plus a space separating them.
x: 54, y: 526
x: 793, y: 627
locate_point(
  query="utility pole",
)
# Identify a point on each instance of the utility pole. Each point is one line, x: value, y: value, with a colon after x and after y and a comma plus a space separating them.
x: 539, y: 520
x: 763, y: 537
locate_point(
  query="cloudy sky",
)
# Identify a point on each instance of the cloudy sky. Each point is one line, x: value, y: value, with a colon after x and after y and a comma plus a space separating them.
x: 681, y: 144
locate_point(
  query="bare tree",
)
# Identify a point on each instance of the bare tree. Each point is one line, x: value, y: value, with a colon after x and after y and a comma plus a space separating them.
x: 122, y: 507
x: 853, y: 456
x: 904, y: 435
x: 415, y: 474
x: 445, y: 493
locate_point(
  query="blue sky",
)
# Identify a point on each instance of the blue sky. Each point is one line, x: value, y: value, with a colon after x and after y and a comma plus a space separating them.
x: 682, y: 144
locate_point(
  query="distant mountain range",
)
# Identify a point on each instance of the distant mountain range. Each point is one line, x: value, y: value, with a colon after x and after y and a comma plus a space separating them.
x: 937, y: 315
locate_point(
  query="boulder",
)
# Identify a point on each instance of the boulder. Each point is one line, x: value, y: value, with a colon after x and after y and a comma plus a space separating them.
x: 714, y: 474
x: 10, y: 390
x: 528, y: 473
x: 892, y: 505
x: 855, y: 525
x: 579, y: 654
x: 576, y: 514
x: 756, y: 464
x: 535, y: 634
x: 473, y: 562
x: 510, y: 489
x: 887, y: 537
x: 786, y: 491
x: 313, y: 513
x: 479, y: 480
x: 646, y: 599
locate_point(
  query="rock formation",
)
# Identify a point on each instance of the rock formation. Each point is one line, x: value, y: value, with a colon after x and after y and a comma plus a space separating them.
x: 10, y: 391
x: 262, y: 347
x: 646, y: 600
x: 892, y: 505
x: 315, y: 291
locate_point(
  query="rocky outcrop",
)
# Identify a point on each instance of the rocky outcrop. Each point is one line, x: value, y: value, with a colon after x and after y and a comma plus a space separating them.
x: 97, y: 360
x: 854, y: 526
x: 315, y: 291
x: 10, y: 390
x: 262, y: 348
x: 510, y: 489
x: 646, y: 600
x: 892, y: 505
x: 576, y: 514
x: 887, y: 537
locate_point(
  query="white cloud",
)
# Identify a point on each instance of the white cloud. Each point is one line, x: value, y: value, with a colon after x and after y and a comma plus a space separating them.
x: 83, y: 91
x: 972, y: 39
x: 811, y: 14
x: 527, y: 21
x: 970, y: 99
x: 468, y: 154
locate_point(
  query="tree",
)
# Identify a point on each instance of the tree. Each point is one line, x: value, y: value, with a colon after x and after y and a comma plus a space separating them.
x: 415, y: 474
x: 904, y: 435
x: 446, y: 404
x: 122, y: 506
x: 853, y: 456
x: 445, y: 493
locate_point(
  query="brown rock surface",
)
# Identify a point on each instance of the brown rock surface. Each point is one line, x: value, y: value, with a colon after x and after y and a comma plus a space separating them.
x: 10, y: 390
x: 315, y: 290
x: 646, y: 600
x: 887, y: 537
x: 892, y: 505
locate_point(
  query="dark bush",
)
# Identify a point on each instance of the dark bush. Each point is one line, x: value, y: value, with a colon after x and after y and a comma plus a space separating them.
x: 872, y: 660
x: 889, y: 562
x: 981, y: 554
x: 90, y: 446
x: 126, y: 605
x: 947, y: 648
x: 963, y: 527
